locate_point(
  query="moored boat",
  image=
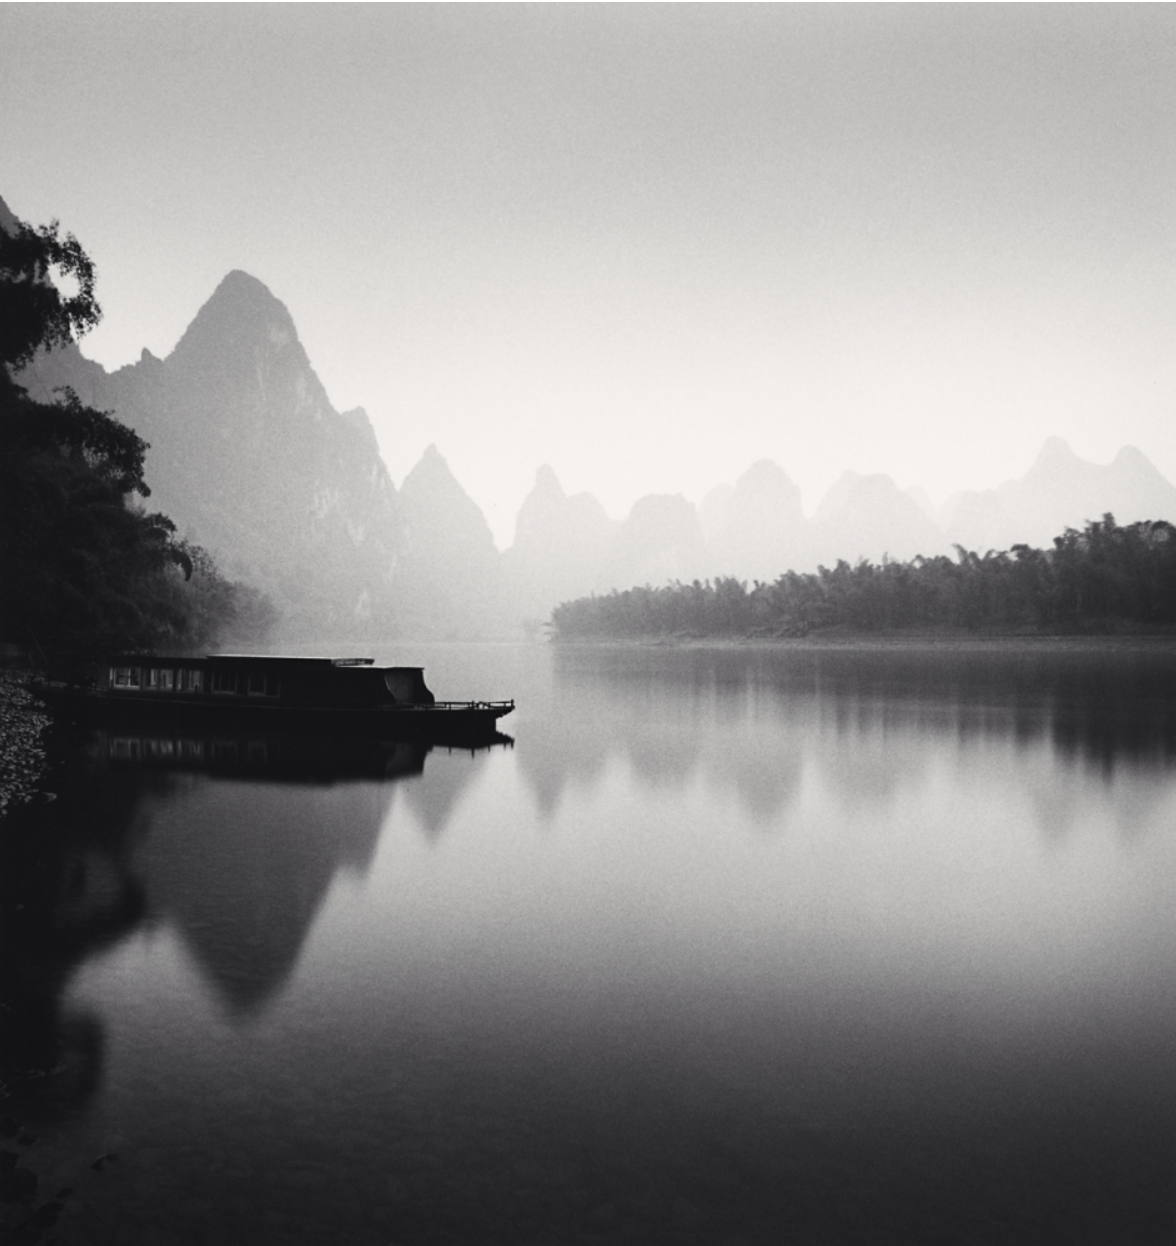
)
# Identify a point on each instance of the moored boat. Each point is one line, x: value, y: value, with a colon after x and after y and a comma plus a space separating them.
x: 320, y: 694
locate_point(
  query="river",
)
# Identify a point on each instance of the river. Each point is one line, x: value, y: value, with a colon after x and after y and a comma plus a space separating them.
x: 841, y: 944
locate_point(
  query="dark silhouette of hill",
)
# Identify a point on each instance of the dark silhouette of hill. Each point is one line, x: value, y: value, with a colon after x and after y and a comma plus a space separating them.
x: 250, y: 459
x: 85, y: 566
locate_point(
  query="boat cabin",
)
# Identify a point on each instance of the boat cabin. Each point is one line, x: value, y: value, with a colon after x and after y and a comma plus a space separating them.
x: 321, y: 682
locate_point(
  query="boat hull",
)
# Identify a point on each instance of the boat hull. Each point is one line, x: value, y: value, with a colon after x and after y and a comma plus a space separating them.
x: 442, y: 722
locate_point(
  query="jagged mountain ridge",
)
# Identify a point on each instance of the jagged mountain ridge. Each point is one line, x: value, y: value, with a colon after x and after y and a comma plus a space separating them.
x: 251, y: 460
x: 757, y: 529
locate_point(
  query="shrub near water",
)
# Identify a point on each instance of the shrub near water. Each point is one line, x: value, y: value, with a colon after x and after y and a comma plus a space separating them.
x: 22, y: 759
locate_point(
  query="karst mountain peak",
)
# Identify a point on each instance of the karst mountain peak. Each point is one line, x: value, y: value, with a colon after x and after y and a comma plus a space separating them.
x: 250, y: 459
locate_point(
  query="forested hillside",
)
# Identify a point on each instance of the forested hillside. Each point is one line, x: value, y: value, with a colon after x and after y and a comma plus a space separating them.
x: 1100, y: 578
x: 84, y: 566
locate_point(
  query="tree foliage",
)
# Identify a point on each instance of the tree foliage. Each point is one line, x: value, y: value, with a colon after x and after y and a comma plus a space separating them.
x: 1099, y: 578
x: 84, y: 567
x: 36, y: 313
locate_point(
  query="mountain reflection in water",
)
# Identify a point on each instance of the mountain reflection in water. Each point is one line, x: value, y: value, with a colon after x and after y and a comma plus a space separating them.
x: 740, y: 945
x: 241, y: 868
x: 752, y: 720
x: 231, y: 841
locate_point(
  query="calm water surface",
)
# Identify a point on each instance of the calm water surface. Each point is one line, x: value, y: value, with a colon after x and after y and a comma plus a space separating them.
x: 730, y: 946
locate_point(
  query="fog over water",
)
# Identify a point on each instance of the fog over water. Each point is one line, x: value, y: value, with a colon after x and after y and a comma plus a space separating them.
x: 648, y: 246
x: 848, y: 944
x: 437, y: 316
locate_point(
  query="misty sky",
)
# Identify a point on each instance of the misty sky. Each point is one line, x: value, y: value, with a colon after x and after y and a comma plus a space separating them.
x: 648, y: 245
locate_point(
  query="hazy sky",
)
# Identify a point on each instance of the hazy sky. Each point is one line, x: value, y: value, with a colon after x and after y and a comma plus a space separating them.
x: 647, y: 245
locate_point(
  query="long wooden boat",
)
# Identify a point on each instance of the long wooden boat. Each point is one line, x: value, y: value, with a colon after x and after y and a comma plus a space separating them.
x: 323, y: 695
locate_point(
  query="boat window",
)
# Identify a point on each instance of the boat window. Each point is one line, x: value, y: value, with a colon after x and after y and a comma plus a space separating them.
x: 224, y: 681
x: 263, y: 685
x: 124, y: 676
x: 167, y: 680
x: 195, y: 681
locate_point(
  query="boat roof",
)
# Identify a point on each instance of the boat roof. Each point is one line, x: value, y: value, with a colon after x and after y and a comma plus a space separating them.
x: 278, y: 657
x: 254, y: 659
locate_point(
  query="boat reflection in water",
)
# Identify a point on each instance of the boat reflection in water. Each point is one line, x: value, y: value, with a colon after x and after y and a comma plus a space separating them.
x: 287, y: 759
x: 247, y: 843
x: 231, y: 842
x: 747, y: 946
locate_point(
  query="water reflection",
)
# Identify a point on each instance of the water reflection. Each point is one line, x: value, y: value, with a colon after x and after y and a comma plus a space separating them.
x: 866, y: 724
x: 737, y: 946
x: 435, y: 797
x: 240, y: 870
x: 67, y: 892
x: 231, y: 842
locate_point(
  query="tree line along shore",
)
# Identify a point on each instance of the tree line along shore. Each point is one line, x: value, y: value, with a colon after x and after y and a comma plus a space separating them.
x: 1104, y: 579
x: 87, y: 569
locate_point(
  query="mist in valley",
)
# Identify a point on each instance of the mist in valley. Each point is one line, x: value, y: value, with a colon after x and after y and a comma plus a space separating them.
x: 825, y: 352
x: 434, y: 319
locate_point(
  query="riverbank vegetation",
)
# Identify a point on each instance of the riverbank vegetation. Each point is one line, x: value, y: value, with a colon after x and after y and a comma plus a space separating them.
x: 1103, y: 578
x: 22, y: 755
x: 85, y: 567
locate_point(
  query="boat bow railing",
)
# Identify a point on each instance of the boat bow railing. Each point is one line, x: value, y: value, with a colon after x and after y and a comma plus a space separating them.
x: 502, y: 707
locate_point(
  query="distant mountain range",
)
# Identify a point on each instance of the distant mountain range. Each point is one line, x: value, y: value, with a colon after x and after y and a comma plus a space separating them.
x: 1060, y: 490
x: 251, y: 460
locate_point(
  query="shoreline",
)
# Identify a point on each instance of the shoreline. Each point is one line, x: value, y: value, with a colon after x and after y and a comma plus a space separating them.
x: 23, y: 721
x: 1055, y: 641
